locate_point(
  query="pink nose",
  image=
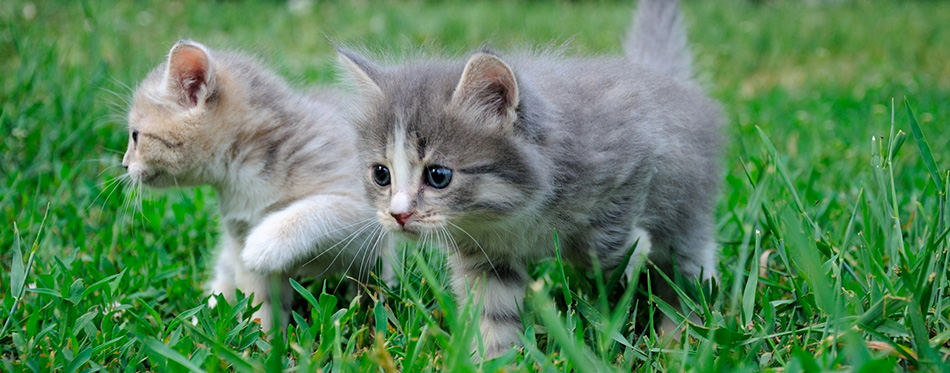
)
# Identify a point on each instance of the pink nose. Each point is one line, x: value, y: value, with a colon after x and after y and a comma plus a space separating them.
x: 401, y: 218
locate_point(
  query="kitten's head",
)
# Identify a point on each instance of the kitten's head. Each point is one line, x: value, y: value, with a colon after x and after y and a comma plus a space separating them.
x: 168, y: 120
x: 440, y: 143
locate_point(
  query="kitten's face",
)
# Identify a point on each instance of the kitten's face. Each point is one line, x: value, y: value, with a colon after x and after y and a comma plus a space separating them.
x: 435, y: 163
x: 424, y: 181
x: 166, y: 121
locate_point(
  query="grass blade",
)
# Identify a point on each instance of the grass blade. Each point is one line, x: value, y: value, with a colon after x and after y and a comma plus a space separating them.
x: 17, y: 271
x: 783, y: 171
x: 163, y: 349
x: 238, y: 362
x: 81, y: 358
x: 924, y: 147
x: 304, y: 293
x: 752, y: 282
x: 18, y: 279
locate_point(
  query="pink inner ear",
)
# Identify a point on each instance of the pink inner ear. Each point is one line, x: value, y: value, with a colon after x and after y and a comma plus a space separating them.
x: 189, y: 69
x: 487, y: 81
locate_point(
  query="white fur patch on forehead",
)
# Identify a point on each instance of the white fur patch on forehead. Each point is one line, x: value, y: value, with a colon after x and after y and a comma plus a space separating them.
x: 405, y: 172
x: 401, y: 165
x: 404, y: 180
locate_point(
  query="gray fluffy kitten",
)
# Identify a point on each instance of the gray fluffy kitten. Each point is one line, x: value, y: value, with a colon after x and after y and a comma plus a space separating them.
x: 491, y: 155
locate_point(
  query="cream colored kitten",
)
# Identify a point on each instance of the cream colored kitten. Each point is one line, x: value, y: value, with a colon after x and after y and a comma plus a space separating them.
x: 282, y: 162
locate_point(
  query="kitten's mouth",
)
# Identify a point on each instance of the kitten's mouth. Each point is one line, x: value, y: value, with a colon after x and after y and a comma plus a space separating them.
x: 412, y: 226
x: 403, y: 229
x: 411, y: 229
x: 148, y: 178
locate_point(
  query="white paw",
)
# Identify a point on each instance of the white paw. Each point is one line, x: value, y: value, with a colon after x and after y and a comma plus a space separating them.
x: 640, y: 254
x: 264, y: 316
x: 497, y: 341
x: 264, y: 252
x: 222, y: 284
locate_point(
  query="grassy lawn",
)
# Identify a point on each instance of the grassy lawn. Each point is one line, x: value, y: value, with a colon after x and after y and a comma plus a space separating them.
x: 833, y: 218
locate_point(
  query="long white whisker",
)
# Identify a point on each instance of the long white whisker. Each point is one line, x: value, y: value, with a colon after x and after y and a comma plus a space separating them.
x: 370, y: 260
x: 364, y: 221
x: 104, y: 170
x: 178, y: 187
x: 359, y: 250
x: 375, y: 251
x: 141, y: 202
x: 476, y: 244
x: 112, y: 184
x: 127, y: 202
x: 114, y: 151
x: 453, y: 245
x: 449, y: 245
x: 347, y: 240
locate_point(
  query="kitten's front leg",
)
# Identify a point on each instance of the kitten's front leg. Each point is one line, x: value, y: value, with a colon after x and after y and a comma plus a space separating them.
x: 224, y: 281
x: 499, y: 288
x: 291, y: 236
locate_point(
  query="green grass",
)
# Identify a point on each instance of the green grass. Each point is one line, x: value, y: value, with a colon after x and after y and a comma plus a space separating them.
x: 833, y: 217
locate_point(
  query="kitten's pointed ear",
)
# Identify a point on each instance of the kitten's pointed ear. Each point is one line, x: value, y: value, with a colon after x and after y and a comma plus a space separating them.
x: 362, y: 70
x: 189, y: 77
x: 488, y: 86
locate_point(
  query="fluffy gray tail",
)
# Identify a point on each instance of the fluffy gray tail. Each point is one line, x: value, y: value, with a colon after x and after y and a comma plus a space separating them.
x: 658, y: 39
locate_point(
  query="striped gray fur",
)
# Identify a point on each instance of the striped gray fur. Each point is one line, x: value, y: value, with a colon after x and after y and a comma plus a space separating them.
x: 606, y: 150
x: 498, y: 271
x: 512, y: 318
x: 283, y: 163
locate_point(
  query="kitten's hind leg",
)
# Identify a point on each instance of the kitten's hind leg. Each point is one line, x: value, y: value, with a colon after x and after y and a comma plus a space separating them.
x: 669, y: 329
x: 693, y: 257
x: 294, y: 235
x: 498, y: 288
x: 230, y: 274
x: 641, y: 239
x: 266, y: 289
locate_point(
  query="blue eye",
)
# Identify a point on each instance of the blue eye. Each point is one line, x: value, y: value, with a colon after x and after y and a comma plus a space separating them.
x: 438, y: 177
x: 381, y: 175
